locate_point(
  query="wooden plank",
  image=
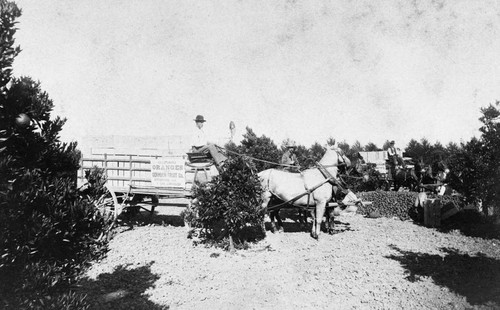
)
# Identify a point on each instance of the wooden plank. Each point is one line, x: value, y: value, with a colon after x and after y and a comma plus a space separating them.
x: 119, y: 168
x: 126, y: 178
x: 114, y: 159
x: 432, y: 213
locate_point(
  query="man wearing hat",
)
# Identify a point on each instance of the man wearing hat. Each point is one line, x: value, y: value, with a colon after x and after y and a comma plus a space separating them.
x: 392, y: 154
x: 201, y: 145
x: 392, y: 158
x: 289, y: 159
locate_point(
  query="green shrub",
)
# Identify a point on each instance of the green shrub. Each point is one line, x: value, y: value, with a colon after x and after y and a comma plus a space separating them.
x: 230, y: 203
x: 47, y: 242
x: 49, y: 221
x: 43, y: 285
x: 262, y: 148
x: 477, y: 162
x: 95, y: 185
x: 48, y: 231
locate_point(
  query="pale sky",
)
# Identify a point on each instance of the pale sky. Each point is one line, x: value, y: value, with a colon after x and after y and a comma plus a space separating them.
x: 303, y: 70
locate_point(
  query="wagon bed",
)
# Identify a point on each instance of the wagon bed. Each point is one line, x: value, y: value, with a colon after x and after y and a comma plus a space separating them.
x: 142, y: 180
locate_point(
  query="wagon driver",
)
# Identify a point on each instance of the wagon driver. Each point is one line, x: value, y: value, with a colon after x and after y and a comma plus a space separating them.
x: 394, y: 158
x: 289, y: 159
x: 200, y: 143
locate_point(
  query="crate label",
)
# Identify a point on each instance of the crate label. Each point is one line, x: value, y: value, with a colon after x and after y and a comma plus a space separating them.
x: 168, y: 172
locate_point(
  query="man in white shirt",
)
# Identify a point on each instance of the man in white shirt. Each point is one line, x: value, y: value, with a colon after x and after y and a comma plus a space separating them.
x: 392, y: 154
x: 394, y: 158
x: 200, y: 143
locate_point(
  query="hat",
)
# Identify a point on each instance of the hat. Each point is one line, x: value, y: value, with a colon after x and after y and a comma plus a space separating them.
x: 290, y: 145
x: 199, y: 118
x: 392, y: 142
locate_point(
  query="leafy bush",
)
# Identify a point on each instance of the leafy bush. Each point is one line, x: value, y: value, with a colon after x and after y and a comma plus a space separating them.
x: 230, y: 203
x: 262, y: 148
x: 476, y: 163
x: 48, y: 232
x: 54, y: 232
x: 44, y: 286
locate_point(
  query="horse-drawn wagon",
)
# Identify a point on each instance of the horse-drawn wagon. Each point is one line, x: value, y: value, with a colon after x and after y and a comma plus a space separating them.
x: 135, y: 181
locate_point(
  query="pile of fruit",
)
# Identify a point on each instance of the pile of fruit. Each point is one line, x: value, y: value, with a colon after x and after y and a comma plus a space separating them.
x: 388, y: 204
x: 400, y: 204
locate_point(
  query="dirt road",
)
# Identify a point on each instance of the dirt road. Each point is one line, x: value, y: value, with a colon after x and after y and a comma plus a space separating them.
x: 369, y: 264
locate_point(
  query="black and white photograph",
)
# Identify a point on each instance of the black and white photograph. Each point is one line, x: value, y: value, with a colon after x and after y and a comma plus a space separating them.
x: 278, y: 154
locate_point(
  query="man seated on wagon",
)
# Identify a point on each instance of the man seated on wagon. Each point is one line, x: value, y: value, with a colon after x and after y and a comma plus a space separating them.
x: 200, y: 143
x: 289, y: 159
x: 394, y: 159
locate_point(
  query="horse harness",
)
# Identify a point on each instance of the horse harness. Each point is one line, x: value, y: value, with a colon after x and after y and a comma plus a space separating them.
x: 329, y: 178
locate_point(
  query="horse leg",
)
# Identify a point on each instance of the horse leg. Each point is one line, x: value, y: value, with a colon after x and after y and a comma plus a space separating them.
x: 280, y: 222
x: 320, y: 211
x: 303, y: 218
x: 266, y: 197
x: 313, y: 216
x: 275, y: 215
x: 330, y: 217
x: 272, y: 216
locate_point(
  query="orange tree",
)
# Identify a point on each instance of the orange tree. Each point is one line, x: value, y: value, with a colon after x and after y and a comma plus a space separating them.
x: 261, y: 147
x: 47, y: 231
x: 231, y: 202
x: 477, y: 161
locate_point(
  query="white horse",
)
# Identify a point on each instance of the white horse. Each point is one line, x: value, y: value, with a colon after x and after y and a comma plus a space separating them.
x: 287, y: 185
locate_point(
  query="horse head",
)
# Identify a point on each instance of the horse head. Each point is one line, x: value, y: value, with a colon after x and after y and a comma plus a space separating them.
x: 335, y: 157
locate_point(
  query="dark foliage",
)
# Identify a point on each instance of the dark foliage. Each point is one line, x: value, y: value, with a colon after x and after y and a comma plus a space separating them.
x: 230, y: 203
x: 48, y: 230
x: 475, y: 164
x: 262, y: 148
x: 9, y: 12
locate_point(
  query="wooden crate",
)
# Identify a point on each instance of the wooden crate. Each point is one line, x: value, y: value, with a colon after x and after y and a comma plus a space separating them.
x: 432, y: 213
x: 448, y: 210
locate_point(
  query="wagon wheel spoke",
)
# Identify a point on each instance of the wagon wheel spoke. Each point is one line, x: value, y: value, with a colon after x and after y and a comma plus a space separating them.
x: 107, y: 203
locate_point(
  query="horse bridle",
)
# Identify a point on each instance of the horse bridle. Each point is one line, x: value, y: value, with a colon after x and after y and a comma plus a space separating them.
x: 339, y: 162
x: 341, y: 156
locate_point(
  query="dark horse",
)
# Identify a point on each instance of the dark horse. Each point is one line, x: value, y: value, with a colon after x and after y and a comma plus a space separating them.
x: 406, y: 177
x: 364, y: 176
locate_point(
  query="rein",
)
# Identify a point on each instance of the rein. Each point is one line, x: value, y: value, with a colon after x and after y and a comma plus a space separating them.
x: 257, y: 159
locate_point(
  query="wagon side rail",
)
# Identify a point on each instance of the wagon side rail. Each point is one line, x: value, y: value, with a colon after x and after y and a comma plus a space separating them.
x: 130, y: 176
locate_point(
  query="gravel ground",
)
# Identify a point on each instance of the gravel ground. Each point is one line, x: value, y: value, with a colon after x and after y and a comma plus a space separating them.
x: 368, y: 264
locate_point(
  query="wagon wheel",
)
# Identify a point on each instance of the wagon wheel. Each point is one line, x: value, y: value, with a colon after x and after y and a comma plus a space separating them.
x: 109, y: 204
